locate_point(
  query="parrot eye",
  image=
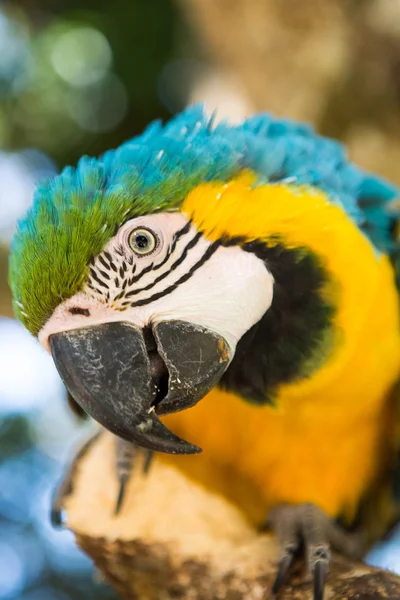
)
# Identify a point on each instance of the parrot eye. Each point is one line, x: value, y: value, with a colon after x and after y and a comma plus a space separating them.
x: 143, y: 241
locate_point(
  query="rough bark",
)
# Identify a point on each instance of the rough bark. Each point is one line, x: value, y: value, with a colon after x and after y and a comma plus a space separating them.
x: 175, y: 540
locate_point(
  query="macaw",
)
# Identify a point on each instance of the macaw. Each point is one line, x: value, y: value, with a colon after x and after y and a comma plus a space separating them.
x: 231, y: 288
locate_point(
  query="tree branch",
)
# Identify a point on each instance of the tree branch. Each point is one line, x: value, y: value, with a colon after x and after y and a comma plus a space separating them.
x: 174, y: 539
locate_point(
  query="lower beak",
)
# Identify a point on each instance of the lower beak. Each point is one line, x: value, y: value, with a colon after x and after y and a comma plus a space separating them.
x: 123, y: 376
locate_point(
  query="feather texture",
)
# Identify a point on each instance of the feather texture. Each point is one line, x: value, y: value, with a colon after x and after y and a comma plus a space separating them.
x: 75, y: 214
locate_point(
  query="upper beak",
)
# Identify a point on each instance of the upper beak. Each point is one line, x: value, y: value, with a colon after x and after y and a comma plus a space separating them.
x: 122, y: 376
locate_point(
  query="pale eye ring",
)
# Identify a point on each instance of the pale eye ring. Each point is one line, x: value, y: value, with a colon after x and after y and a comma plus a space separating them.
x: 143, y: 241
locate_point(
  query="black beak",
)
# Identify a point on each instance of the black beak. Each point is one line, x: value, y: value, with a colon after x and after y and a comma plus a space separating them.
x: 123, y: 376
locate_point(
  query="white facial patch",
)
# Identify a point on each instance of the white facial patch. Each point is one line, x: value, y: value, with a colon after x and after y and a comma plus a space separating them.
x: 186, y: 277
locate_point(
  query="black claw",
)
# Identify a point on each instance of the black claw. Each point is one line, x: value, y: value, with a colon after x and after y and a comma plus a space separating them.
x: 283, y: 570
x: 121, y: 495
x: 148, y: 459
x: 320, y: 572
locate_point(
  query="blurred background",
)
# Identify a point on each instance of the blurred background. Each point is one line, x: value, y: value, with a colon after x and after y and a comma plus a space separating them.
x: 81, y: 77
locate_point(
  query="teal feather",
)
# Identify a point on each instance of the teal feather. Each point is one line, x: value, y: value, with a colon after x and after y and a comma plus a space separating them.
x: 74, y: 214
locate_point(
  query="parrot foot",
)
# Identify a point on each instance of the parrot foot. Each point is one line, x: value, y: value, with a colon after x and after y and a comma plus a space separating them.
x: 126, y: 454
x: 65, y: 487
x: 307, y: 526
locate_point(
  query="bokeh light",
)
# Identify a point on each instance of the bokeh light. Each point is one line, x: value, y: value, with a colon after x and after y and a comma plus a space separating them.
x: 81, y: 56
x: 176, y: 81
x: 99, y: 107
x: 19, y: 173
x: 28, y: 376
x: 386, y: 554
x: 16, y: 64
x: 11, y: 571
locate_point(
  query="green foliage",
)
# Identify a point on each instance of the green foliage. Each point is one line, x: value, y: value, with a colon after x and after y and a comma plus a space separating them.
x: 36, y: 110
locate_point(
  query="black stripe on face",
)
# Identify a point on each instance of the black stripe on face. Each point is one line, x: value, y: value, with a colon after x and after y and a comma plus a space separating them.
x: 206, y: 256
x: 104, y: 274
x: 153, y: 267
x: 140, y: 275
x: 123, y: 267
x: 96, y: 278
x: 177, y: 237
x: 174, y: 266
x: 125, y: 279
x: 104, y: 263
x: 106, y: 260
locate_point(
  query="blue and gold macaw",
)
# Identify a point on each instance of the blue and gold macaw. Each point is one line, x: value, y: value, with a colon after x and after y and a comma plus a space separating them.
x: 240, y: 283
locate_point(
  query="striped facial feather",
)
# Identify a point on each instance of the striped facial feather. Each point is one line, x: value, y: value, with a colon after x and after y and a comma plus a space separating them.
x: 123, y: 279
x: 185, y: 277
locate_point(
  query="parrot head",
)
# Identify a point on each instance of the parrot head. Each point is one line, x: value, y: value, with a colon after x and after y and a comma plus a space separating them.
x: 140, y: 308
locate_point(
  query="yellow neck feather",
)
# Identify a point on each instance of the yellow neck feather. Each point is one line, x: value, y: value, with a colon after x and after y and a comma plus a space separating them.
x: 332, y: 436
x: 298, y: 217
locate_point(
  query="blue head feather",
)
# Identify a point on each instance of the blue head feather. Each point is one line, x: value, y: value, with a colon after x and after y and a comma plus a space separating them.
x: 275, y: 149
x: 75, y: 214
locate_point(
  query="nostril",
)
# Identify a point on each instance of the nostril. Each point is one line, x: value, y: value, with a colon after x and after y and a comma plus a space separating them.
x: 77, y: 310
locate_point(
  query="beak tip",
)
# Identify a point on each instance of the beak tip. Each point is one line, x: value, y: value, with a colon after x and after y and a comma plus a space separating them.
x: 190, y: 449
x: 152, y: 434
